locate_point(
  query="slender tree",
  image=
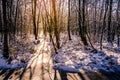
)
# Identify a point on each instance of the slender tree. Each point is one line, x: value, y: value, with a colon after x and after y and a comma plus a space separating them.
x: 56, y: 31
x: 118, y: 24
x: 16, y: 17
x: 5, y: 49
x: 34, y: 4
x: 104, y: 23
x: 69, y: 20
x: 109, y: 22
x: 1, y: 25
x: 94, y: 18
x: 82, y: 24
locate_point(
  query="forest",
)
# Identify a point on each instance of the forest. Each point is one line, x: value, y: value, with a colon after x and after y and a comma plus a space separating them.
x: 59, y: 39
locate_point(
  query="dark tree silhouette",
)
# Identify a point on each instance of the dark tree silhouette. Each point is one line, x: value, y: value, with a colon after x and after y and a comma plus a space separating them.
x: 82, y: 22
x: 5, y: 49
x: 69, y: 20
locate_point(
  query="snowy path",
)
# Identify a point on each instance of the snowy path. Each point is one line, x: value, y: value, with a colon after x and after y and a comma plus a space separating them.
x: 38, y: 68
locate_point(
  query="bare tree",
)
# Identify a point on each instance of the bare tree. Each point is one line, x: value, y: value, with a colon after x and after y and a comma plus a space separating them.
x: 56, y: 31
x: 69, y: 20
x: 34, y: 3
x: 5, y: 50
x: 109, y: 22
x: 118, y: 24
x: 104, y: 23
x: 1, y: 25
x: 82, y: 23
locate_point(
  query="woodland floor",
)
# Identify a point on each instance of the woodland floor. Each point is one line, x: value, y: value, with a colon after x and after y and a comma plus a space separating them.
x: 40, y: 67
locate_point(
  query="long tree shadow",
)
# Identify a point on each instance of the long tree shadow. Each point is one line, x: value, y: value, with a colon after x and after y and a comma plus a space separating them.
x: 29, y: 69
x: 64, y: 75
x: 18, y: 73
x: 81, y: 76
x: 2, y: 72
x: 111, y: 70
x: 9, y: 74
x: 35, y: 65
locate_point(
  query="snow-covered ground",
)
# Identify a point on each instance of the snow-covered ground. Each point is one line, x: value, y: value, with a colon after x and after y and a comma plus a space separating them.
x: 20, y: 52
x: 72, y: 57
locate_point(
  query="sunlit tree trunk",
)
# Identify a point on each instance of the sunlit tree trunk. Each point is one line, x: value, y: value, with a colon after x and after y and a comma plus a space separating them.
x: 56, y: 31
x: 34, y: 3
x: 38, y: 22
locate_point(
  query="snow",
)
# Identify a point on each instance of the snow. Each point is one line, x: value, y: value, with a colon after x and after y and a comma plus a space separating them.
x: 21, y: 51
x: 1, y: 43
x: 73, y: 56
x: 15, y: 63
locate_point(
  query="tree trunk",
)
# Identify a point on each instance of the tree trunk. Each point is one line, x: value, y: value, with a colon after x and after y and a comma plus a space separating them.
x: 83, y: 28
x: 56, y: 31
x: 34, y: 2
x: 109, y: 22
x: 118, y: 24
x: 5, y: 48
x: 1, y: 25
x: 69, y: 20
x: 104, y: 23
